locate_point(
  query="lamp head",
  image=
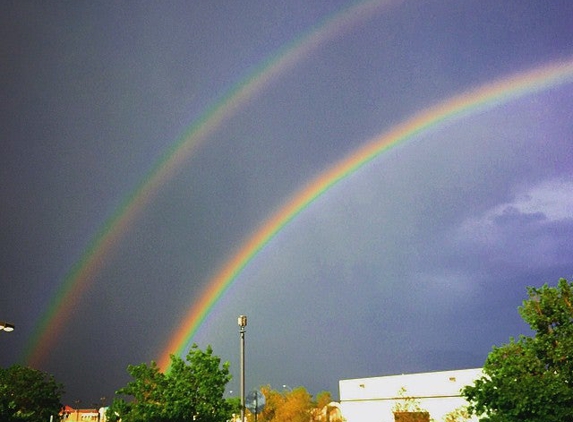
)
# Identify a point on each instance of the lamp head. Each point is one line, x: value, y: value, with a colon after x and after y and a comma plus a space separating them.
x: 242, y: 321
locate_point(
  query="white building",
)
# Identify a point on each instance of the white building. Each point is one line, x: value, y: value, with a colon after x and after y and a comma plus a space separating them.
x: 376, y: 399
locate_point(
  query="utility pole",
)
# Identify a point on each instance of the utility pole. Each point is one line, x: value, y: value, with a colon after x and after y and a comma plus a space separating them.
x: 242, y: 324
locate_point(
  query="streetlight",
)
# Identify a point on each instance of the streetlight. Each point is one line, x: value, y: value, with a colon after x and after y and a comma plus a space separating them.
x: 242, y: 321
x: 6, y: 326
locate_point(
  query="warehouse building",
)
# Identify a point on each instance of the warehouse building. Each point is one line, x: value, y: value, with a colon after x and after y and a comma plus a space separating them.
x: 421, y: 397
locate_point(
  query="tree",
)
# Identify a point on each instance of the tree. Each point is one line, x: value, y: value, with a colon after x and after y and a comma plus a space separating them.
x: 323, y: 398
x: 147, y: 390
x: 531, y: 378
x: 191, y: 391
x: 234, y: 406
x: 297, y: 406
x: 294, y: 406
x: 326, y: 410
x: 28, y: 395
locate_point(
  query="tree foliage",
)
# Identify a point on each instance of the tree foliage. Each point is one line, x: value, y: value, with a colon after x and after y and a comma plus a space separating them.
x: 323, y: 399
x: 292, y: 405
x: 531, y: 378
x: 191, y: 391
x: 28, y: 395
x: 296, y: 405
x: 234, y: 406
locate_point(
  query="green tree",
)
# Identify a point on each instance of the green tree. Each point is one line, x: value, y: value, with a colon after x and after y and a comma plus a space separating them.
x: 234, y: 405
x: 28, y: 395
x: 531, y: 378
x: 147, y: 390
x: 191, y: 391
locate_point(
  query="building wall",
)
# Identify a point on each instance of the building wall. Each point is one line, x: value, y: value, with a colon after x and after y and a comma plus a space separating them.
x: 84, y: 415
x: 374, y: 399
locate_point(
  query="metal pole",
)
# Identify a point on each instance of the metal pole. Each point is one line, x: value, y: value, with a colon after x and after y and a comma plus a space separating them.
x: 242, y: 374
x: 242, y: 323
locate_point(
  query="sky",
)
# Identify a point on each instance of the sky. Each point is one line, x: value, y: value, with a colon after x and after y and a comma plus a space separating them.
x: 157, y: 138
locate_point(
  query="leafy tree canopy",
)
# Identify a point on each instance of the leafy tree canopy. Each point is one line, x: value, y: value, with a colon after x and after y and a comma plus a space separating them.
x: 292, y: 405
x: 296, y: 405
x: 531, y: 378
x: 323, y: 398
x: 191, y: 391
x: 28, y: 395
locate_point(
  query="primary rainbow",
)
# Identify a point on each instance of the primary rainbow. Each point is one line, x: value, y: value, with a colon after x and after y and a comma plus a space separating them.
x: 483, y: 97
x: 77, y: 281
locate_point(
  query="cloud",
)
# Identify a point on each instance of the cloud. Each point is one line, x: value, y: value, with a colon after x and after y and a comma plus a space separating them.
x: 532, y: 229
x: 551, y: 198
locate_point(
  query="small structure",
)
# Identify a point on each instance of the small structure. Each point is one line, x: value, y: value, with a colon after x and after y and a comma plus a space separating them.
x: 69, y: 414
x: 412, y: 397
x: 328, y: 413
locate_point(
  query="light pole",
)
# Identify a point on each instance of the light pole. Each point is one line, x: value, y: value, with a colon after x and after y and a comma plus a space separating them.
x: 77, y: 402
x: 242, y: 324
x: 6, y: 326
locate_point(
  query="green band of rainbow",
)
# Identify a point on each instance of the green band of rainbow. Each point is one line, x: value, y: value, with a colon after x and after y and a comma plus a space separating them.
x: 486, y: 96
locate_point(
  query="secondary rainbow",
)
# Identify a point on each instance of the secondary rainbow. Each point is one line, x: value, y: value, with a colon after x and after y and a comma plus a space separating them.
x: 78, y: 280
x: 481, y: 98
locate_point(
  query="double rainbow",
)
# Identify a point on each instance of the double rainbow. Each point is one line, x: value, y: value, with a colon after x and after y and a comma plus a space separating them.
x: 82, y: 275
x: 484, y: 97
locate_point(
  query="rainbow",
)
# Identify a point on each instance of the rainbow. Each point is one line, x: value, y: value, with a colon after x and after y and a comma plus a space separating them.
x: 83, y: 273
x: 484, y: 97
